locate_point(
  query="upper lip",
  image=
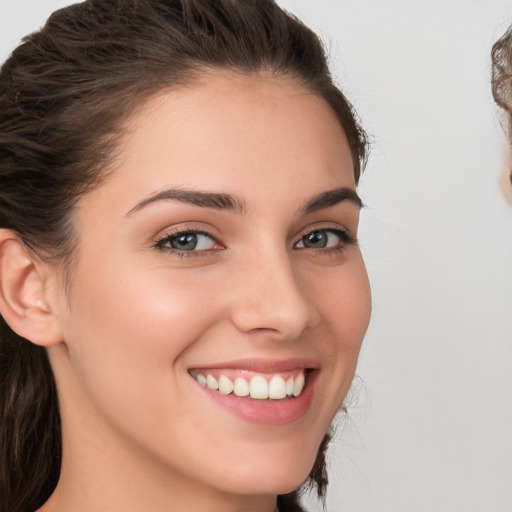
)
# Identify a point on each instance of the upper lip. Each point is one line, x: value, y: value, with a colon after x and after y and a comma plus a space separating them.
x: 263, y: 365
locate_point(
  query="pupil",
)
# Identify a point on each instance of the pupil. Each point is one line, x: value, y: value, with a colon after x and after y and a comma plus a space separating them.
x: 186, y: 242
x: 317, y: 240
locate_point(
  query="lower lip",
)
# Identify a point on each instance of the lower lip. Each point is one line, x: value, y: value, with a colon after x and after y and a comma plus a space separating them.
x: 267, y: 412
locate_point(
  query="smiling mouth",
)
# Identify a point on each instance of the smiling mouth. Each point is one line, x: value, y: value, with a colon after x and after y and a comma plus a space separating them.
x: 266, y: 392
x: 258, y: 386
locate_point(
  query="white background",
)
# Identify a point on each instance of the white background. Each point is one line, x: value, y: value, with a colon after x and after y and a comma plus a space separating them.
x: 431, y: 427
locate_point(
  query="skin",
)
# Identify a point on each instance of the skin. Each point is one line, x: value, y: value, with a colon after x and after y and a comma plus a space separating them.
x: 139, y: 432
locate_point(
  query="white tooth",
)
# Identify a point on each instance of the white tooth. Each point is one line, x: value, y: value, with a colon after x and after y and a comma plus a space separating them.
x: 211, y: 382
x: 277, y: 388
x: 299, y: 385
x: 241, y: 387
x: 201, y: 379
x: 225, y: 385
x: 289, y: 386
x: 259, y: 388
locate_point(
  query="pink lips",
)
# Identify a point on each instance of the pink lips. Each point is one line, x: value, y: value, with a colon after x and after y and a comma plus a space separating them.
x: 266, y: 365
x: 268, y: 412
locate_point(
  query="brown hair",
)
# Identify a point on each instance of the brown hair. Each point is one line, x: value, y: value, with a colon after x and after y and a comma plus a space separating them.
x: 502, y: 70
x: 502, y: 75
x: 64, y: 94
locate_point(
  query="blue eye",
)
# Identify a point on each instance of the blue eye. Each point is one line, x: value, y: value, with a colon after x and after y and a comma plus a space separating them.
x: 187, y: 241
x: 324, y: 239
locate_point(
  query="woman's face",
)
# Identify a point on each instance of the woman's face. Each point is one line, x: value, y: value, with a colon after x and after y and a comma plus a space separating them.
x: 221, y: 249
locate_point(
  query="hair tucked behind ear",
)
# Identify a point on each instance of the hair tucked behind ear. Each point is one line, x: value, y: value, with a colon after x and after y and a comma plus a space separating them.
x: 65, y: 94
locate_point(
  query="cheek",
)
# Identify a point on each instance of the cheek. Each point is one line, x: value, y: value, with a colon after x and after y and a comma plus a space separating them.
x: 343, y: 300
x: 126, y: 337
x: 344, y: 303
x: 138, y: 299
x: 133, y: 326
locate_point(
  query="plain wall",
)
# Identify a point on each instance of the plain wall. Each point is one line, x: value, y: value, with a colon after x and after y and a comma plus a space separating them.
x: 430, y: 430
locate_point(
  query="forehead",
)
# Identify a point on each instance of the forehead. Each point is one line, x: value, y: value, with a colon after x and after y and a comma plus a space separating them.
x: 233, y: 133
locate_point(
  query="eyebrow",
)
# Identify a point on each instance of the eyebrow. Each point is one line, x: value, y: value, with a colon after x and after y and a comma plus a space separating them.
x: 221, y: 201
x: 332, y: 198
x: 218, y: 201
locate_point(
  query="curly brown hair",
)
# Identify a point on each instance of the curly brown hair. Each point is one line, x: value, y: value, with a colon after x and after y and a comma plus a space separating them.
x: 502, y: 71
x: 501, y: 79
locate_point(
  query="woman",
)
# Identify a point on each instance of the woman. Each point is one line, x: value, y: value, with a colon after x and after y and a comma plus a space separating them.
x: 182, y: 294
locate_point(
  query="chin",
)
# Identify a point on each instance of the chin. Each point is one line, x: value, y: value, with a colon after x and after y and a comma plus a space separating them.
x: 272, y: 483
x: 272, y: 471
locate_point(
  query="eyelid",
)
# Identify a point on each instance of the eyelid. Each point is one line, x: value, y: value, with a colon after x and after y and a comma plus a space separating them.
x: 346, y: 238
x: 163, y: 239
x: 323, y: 227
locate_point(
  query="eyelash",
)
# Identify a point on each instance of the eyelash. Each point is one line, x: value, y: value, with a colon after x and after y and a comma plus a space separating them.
x: 160, y: 243
x: 346, y: 239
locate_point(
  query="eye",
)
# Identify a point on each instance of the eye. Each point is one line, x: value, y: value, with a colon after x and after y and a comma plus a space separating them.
x: 187, y: 241
x: 324, y: 239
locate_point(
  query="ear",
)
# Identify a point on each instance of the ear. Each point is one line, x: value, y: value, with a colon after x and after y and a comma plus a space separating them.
x: 24, y: 301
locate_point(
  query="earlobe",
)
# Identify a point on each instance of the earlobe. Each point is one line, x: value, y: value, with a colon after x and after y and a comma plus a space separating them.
x: 24, y: 303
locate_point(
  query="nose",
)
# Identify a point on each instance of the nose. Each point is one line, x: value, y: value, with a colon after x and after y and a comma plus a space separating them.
x: 271, y: 298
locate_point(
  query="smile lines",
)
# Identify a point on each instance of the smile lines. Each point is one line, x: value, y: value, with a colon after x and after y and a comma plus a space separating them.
x: 258, y: 387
